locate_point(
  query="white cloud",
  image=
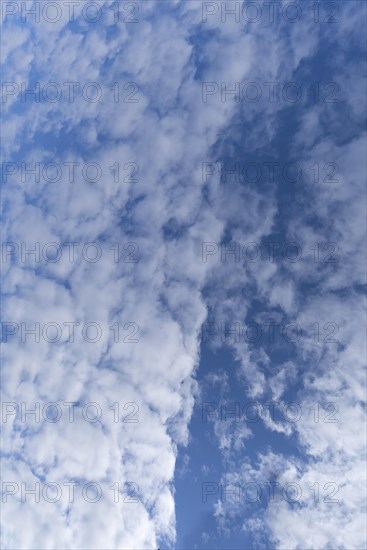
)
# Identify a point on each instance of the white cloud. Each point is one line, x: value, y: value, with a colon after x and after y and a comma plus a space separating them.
x: 169, y: 133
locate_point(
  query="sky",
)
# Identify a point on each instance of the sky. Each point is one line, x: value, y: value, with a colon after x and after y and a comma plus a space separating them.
x: 184, y: 267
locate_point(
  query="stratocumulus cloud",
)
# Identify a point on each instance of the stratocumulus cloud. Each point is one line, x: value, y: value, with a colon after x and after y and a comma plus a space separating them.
x: 184, y: 209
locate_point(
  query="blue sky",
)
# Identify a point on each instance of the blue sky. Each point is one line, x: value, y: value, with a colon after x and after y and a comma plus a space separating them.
x: 136, y: 266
